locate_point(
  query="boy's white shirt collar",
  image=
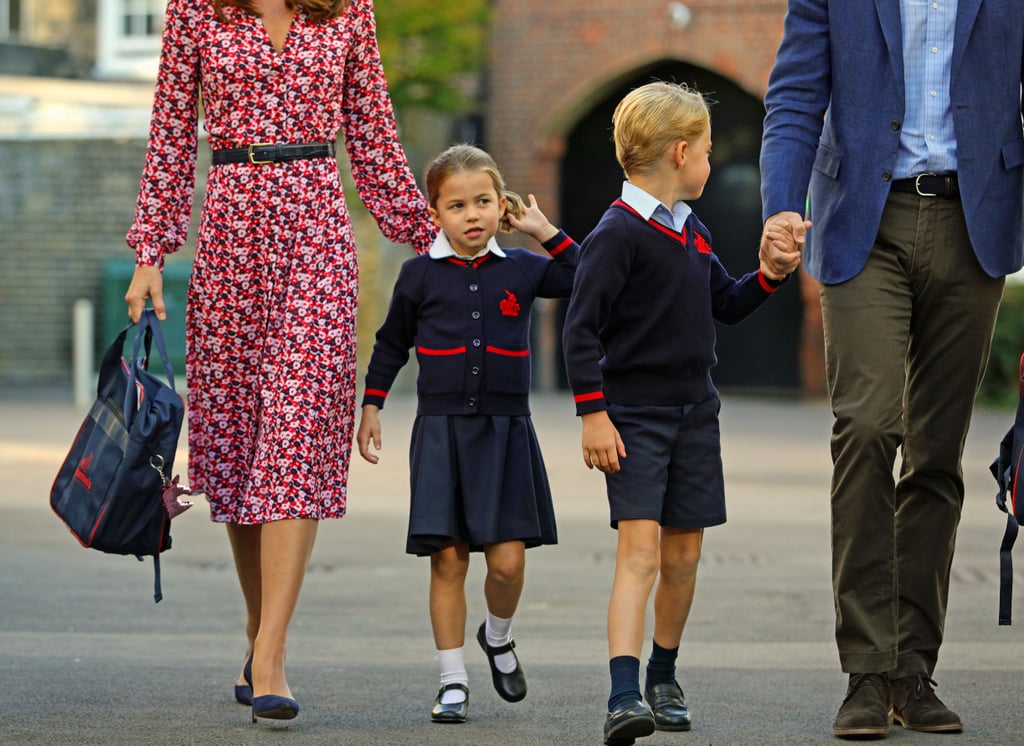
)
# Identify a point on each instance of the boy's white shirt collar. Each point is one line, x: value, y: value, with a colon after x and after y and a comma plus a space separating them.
x: 442, y: 249
x: 647, y: 205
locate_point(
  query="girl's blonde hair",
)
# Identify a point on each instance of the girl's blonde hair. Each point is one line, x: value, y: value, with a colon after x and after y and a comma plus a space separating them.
x: 465, y: 157
x: 650, y: 118
x: 317, y: 10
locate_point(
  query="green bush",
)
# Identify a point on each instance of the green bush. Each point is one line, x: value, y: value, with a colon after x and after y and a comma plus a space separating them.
x: 1002, y: 378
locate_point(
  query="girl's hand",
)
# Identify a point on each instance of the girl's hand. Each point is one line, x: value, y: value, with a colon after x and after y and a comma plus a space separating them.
x: 369, y: 431
x: 534, y: 223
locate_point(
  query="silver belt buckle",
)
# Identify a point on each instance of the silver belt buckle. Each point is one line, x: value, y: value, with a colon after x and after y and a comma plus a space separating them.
x: 917, y: 185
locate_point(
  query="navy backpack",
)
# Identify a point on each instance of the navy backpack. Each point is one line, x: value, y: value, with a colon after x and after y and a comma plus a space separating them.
x: 1006, y: 470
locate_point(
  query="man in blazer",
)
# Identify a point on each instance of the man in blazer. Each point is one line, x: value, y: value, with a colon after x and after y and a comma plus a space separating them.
x: 899, y: 123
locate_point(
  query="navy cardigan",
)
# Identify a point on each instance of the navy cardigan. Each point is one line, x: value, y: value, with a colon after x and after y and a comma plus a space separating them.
x: 640, y: 326
x: 470, y: 324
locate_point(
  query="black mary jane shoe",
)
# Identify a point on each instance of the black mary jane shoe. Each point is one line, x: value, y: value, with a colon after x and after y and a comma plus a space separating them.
x: 511, y: 687
x: 669, y: 706
x: 626, y: 724
x: 453, y: 712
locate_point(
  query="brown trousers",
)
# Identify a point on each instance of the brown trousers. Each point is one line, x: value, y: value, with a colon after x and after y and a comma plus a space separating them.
x: 906, y: 343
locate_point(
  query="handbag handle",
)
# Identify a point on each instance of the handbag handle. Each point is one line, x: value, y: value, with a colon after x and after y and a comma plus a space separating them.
x: 148, y: 322
x: 149, y: 328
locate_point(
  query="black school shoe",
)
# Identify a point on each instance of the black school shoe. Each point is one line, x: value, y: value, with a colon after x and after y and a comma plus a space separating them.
x: 511, y: 687
x: 626, y: 724
x: 454, y: 712
x: 669, y: 706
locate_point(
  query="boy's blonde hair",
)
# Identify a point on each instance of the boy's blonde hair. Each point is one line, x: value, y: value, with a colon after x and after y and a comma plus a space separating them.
x: 652, y: 117
x: 465, y: 157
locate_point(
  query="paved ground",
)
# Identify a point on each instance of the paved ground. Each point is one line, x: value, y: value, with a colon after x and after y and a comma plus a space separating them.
x: 86, y: 657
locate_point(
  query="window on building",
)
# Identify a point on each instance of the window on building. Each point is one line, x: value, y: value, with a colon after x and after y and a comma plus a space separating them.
x: 128, y: 35
x: 10, y: 19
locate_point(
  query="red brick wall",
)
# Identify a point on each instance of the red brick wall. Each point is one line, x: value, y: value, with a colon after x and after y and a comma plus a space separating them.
x: 551, y: 59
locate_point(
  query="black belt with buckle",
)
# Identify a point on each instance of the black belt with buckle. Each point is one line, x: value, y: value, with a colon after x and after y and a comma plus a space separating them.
x: 263, y: 152
x: 945, y: 186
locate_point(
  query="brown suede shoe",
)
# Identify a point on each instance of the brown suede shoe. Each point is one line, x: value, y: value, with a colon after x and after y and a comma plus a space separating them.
x: 915, y: 706
x: 865, y: 711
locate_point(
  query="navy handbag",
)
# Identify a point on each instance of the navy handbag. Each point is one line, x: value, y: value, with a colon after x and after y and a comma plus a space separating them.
x: 113, y: 490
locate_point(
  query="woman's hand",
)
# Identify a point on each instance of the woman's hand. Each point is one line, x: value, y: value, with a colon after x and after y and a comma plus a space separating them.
x: 147, y: 283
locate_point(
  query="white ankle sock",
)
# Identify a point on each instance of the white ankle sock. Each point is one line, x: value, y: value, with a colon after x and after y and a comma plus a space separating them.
x: 453, y: 671
x: 498, y: 632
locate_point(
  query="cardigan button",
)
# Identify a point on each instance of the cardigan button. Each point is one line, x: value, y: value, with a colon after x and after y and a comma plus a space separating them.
x: 471, y: 401
x: 475, y: 370
x: 473, y: 287
x: 476, y: 342
x: 475, y: 314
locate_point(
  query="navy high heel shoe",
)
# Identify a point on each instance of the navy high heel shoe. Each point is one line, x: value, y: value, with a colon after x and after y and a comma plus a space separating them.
x: 274, y: 707
x: 243, y: 692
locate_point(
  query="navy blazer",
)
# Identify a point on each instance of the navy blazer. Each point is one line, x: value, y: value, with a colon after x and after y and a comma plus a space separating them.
x: 835, y: 105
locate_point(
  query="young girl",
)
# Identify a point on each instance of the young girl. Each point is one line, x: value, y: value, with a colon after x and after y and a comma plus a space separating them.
x: 477, y: 477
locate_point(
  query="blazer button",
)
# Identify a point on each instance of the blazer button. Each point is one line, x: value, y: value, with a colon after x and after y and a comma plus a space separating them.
x: 886, y: 176
x: 896, y: 125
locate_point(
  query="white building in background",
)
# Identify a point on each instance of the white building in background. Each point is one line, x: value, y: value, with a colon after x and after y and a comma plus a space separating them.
x: 99, y: 39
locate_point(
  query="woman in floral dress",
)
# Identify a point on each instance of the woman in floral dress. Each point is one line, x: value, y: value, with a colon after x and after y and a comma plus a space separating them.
x: 270, y: 321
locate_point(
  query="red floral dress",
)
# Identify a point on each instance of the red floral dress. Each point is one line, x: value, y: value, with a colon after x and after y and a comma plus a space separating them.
x: 270, y: 327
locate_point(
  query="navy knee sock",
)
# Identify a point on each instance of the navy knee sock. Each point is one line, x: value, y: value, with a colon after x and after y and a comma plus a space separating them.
x: 625, y: 671
x: 661, y: 666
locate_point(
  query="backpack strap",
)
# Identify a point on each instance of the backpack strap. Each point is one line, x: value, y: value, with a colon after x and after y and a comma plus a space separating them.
x: 1006, y: 469
x: 157, y: 593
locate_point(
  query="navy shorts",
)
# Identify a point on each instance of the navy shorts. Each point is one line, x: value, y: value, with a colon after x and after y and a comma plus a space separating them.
x: 672, y: 472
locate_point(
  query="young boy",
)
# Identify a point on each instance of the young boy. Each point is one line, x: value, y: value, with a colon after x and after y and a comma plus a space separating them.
x: 639, y: 342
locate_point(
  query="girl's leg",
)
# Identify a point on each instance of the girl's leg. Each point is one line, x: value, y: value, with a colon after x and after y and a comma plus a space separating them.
x: 448, y: 570
x: 506, y: 567
x: 680, y: 555
x: 245, y: 547
x: 285, y: 548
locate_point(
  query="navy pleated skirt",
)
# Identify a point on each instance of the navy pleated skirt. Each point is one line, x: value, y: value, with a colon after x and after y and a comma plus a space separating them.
x: 477, y: 480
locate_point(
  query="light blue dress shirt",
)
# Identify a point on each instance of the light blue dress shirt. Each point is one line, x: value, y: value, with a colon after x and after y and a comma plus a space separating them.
x: 927, y: 140
x: 651, y: 209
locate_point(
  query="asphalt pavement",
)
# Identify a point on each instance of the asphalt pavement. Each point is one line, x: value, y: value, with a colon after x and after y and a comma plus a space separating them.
x: 86, y: 657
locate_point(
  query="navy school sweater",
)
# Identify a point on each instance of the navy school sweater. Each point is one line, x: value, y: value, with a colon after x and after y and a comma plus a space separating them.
x: 470, y: 325
x: 640, y: 325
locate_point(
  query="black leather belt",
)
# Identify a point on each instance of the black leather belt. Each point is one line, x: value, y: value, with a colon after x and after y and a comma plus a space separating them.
x: 929, y: 185
x: 262, y: 152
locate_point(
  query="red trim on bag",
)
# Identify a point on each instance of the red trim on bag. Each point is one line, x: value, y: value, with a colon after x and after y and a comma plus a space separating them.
x: 507, y: 353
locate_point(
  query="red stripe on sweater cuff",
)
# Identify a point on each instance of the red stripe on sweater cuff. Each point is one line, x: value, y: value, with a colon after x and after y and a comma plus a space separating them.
x: 588, y: 397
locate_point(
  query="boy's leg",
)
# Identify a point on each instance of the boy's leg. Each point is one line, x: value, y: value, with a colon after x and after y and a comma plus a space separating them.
x: 677, y: 580
x: 448, y: 570
x: 506, y: 564
x: 680, y: 555
x: 636, y: 567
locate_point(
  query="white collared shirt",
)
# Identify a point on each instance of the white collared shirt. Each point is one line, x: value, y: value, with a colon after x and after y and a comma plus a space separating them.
x: 442, y: 249
x: 650, y: 208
